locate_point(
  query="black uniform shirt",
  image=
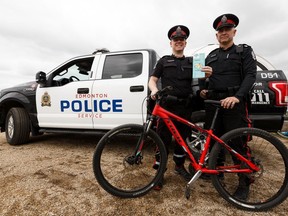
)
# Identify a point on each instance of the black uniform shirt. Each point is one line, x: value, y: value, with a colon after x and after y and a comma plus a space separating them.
x: 175, y: 72
x: 226, y: 65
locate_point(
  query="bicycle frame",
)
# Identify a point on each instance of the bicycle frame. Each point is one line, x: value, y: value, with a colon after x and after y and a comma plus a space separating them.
x: 167, y: 117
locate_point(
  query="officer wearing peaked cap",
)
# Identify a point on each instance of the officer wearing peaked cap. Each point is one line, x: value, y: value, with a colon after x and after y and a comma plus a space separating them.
x: 178, y: 31
x: 233, y: 73
x: 174, y: 70
x: 225, y: 20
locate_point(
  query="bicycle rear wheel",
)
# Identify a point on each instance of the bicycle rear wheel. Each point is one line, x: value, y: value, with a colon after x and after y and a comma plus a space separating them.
x: 121, y: 177
x: 267, y: 187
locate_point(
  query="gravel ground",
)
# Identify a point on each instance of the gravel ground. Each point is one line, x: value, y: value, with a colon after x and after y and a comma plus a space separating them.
x: 52, y: 175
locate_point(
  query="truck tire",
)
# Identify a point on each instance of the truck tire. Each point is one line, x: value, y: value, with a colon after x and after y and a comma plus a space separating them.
x: 17, y: 126
x: 198, y: 117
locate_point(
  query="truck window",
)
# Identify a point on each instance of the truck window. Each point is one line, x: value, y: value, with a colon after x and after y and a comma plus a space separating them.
x: 122, y: 66
x: 77, y: 70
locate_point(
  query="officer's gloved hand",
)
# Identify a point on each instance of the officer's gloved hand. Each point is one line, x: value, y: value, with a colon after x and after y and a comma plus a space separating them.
x: 203, y: 93
x: 153, y: 94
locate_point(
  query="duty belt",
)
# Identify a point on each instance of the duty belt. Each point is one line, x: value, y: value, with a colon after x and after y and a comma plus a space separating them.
x: 169, y: 99
x: 219, y: 94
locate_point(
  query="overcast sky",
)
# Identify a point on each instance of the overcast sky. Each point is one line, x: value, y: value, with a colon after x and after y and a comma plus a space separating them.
x: 41, y: 34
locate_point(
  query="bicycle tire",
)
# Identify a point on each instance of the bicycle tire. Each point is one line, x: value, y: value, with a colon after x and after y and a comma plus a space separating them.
x: 118, y: 177
x: 269, y: 186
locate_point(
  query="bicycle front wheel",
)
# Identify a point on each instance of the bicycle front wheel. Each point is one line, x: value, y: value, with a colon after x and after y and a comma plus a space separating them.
x: 115, y: 168
x: 267, y: 187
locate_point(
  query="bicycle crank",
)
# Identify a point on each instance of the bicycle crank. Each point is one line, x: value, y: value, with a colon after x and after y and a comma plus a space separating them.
x: 187, y: 192
x: 132, y: 159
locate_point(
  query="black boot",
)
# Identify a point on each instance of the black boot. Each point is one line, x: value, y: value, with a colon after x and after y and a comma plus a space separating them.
x: 243, y: 188
x: 183, y: 172
x: 241, y: 193
x: 159, y: 185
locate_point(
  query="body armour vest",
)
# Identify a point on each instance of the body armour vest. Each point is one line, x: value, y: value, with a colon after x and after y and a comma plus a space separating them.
x: 175, y: 72
x: 226, y: 66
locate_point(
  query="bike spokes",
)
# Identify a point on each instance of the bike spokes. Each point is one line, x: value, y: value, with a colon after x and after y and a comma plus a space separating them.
x: 264, y: 188
x: 123, y: 161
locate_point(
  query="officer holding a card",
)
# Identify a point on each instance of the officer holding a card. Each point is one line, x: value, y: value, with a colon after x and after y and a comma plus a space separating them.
x: 232, y: 70
x: 175, y: 70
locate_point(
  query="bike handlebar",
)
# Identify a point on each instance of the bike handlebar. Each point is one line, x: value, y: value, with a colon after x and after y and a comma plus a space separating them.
x: 163, y: 91
x: 214, y: 102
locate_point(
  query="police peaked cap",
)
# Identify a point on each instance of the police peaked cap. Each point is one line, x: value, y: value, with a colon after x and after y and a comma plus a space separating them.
x: 225, y: 20
x: 178, y: 31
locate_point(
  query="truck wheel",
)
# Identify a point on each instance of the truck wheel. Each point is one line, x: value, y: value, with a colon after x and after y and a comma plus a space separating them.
x: 198, y: 117
x: 17, y: 126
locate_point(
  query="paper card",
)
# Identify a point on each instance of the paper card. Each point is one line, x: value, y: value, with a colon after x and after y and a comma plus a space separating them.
x: 198, y: 63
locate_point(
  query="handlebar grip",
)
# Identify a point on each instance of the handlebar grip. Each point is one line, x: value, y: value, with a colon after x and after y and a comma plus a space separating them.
x: 214, y: 102
x: 164, y: 91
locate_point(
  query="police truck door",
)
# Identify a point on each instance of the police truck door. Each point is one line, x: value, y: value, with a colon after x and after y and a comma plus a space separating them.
x: 120, y: 88
x: 65, y: 102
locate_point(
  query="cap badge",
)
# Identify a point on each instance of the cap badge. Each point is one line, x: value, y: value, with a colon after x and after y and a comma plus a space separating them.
x: 224, y: 19
x: 178, y: 30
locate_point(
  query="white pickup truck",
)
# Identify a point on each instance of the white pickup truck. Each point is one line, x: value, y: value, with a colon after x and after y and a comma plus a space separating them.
x: 94, y: 93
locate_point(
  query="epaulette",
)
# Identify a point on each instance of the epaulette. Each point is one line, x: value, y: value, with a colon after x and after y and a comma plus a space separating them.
x: 166, y: 56
x: 240, y: 47
x: 213, y: 51
x: 246, y: 45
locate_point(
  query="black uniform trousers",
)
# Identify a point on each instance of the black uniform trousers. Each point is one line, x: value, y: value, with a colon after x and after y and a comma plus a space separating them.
x: 184, y: 110
x: 227, y: 120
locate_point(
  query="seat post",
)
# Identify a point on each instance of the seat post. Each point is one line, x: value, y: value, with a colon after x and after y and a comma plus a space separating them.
x: 214, y: 118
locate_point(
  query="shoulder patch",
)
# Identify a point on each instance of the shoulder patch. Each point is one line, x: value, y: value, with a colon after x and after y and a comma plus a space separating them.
x: 212, y: 55
x: 253, y: 55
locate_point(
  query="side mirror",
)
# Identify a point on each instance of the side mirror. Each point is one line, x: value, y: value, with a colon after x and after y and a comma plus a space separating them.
x: 41, y: 78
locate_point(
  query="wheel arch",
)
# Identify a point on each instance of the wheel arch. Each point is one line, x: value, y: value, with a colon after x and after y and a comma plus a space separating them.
x: 15, y: 99
x: 198, y: 116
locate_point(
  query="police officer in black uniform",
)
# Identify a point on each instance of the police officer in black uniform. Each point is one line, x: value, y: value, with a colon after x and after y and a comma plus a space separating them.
x: 175, y: 70
x: 232, y: 70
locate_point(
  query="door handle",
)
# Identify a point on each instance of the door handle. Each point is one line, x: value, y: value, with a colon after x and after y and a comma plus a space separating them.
x: 83, y: 90
x: 139, y: 88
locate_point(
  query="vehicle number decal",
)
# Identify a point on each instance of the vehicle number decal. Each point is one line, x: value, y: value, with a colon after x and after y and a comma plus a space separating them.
x: 269, y: 75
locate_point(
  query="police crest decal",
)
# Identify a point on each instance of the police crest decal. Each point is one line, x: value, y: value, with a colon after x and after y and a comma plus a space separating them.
x: 46, y: 100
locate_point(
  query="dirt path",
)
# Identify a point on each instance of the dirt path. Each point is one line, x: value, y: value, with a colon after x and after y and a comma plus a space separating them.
x: 52, y: 175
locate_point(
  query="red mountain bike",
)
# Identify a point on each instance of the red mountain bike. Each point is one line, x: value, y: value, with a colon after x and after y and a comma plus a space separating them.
x: 123, y: 160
